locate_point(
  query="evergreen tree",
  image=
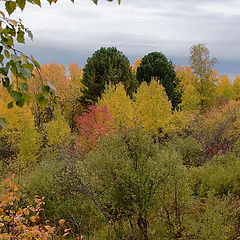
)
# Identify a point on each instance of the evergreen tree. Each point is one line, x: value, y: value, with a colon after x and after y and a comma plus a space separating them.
x: 156, y: 65
x: 107, y: 65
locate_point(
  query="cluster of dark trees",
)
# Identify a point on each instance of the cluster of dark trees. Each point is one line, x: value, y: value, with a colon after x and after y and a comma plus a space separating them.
x: 110, y: 65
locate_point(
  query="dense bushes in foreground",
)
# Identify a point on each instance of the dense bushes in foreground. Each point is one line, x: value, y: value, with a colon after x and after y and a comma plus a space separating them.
x: 129, y: 189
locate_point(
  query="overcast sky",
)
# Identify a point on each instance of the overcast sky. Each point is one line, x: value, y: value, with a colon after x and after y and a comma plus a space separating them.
x: 67, y: 32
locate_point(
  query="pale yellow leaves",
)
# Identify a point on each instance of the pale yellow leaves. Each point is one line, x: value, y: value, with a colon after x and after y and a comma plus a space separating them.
x: 152, y: 109
x: 149, y: 108
x: 224, y: 88
x: 119, y: 105
x: 236, y: 87
x: 57, y: 132
x: 20, y: 129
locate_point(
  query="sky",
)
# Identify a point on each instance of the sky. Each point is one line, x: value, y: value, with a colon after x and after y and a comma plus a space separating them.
x: 67, y: 32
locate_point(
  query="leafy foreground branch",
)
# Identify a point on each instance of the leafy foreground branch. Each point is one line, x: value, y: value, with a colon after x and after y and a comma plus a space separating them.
x: 24, y: 223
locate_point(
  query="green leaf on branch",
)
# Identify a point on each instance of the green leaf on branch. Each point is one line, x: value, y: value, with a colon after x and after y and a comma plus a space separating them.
x: 24, y: 87
x: 10, y: 6
x: 10, y: 88
x: 21, y: 102
x: 45, y: 91
x: 37, y: 65
x: 10, y: 105
x: 4, y: 71
x: 20, y: 36
x: 30, y: 35
x: 41, y: 100
x: 30, y: 66
x: 21, y: 4
x: 3, y: 122
x: 26, y: 73
x: 2, y: 13
x: 16, y: 95
x: 7, y: 54
x: 1, y: 58
x: 38, y: 2
x: 4, y: 41
x: 51, y: 86
x: 5, y: 82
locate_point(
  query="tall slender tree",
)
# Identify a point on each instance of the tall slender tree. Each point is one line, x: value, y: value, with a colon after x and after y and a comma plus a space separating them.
x: 202, y: 65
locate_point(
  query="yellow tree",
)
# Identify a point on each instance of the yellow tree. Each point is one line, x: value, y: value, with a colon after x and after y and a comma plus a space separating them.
x: 56, y: 75
x: 119, y: 105
x: 152, y: 110
x: 202, y: 65
x: 188, y: 82
x: 72, y: 106
x: 57, y: 133
x: 20, y: 130
x: 75, y: 75
x: 224, y: 88
x: 236, y: 87
x: 136, y: 65
x: 68, y: 90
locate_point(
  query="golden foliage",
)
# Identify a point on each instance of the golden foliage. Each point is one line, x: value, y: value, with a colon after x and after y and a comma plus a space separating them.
x: 197, y: 95
x: 57, y: 132
x: 119, y: 105
x: 152, y: 110
x: 20, y: 129
x: 29, y: 144
x: 236, y: 87
x: 224, y: 88
x: 136, y: 65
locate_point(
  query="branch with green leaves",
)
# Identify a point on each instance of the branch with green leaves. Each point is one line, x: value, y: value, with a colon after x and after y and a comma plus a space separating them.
x: 15, y: 63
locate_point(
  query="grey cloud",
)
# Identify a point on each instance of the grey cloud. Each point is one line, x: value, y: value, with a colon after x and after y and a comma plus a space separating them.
x: 63, y: 56
x: 67, y: 32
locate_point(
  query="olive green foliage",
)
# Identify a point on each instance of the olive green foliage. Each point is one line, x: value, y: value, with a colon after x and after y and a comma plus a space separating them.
x: 126, y: 170
x: 188, y: 148
x: 29, y: 137
x: 64, y: 199
x: 156, y: 65
x: 220, y: 176
x: 214, y: 219
x: 183, y: 214
x: 176, y: 200
x: 107, y: 65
